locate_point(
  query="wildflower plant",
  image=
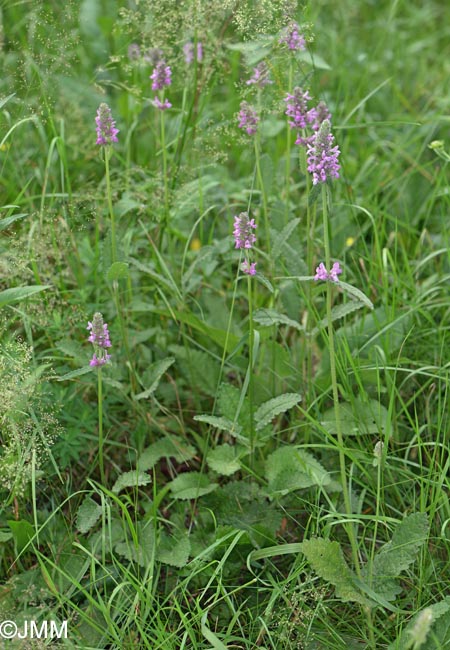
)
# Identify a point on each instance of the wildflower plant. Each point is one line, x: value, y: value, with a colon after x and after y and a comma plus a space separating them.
x: 107, y: 136
x: 99, y: 337
x: 106, y: 126
x: 248, y: 118
x: 323, y: 155
x: 261, y: 404
x: 292, y: 38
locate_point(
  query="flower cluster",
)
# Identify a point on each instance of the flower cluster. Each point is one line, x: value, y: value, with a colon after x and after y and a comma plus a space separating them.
x: 161, y: 76
x: 244, y: 237
x: 106, y: 126
x: 188, y: 49
x: 321, y: 113
x: 297, y: 109
x: 162, y: 105
x: 248, y: 118
x: 322, y: 155
x: 323, y: 274
x: 291, y: 37
x: 243, y: 231
x: 260, y: 76
x: 99, y: 337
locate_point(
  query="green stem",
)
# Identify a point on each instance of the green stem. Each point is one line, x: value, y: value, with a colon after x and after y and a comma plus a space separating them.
x: 250, y: 364
x: 310, y: 228
x: 100, y: 425
x: 165, y: 180
x: 110, y: 207
x: 340, y: 440
x: 264, y: 197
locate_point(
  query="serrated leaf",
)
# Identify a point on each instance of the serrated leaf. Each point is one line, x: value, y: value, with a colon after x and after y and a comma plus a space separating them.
x: 339, y: 311
x: 228, y: 400
x: 88, y: 514
x: 327, y: 560
x: 173, y: 551
x: 170, y: 447
x: 224, y: 424
x: 313, y: 59
x: 314, y: 194
x: 117, y: 270
x: 154, y: 374
x: 244, y: 506
x: 398, y: 554
x: 131, y: 479
x: 191, y: 485
x: 9, y: 296
x: 269, y: 317
x: 76, y: 373
x: 143, y: 552
x: 282, y: 237
x: 356, y: 293
x: 263, y: 280
x: 360, y: 417
x: 273, y: 407
x: 291, y: 468
x: 224, y: 459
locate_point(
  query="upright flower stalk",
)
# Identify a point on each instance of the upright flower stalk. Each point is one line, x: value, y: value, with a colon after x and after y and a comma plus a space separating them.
x: 99, y: 337
x: 244, y: 238
x: 106, y: 136
x: 161, y: 78
x: 323, y: 164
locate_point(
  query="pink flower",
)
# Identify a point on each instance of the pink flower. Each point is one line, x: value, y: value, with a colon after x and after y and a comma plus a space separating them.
x: 243, y: 231
x: 99, y: 337
x: 323, y: 274
x: 162, y: 105
x: 248, y: 268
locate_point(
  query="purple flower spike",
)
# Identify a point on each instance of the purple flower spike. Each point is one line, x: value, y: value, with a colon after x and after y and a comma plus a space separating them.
x: 291, y: 37
x: 161, y: 76
x: 321, y: 113
x: 248, y: 118
x: 243, y: 231
x: 248, y: 268
x: 162, y: 105
x: 188, y: 49
x: 323, y: 274
x: 260, y: 76
x: 99, y: 337
x: 322, y: 156
x: 297, y: 108
x: 106, y: 126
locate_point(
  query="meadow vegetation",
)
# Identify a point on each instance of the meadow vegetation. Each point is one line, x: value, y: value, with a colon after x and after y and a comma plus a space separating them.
x: 224, y: 323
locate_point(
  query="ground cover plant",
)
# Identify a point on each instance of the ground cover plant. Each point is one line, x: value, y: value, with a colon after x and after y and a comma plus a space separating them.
x: 224, y: 396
